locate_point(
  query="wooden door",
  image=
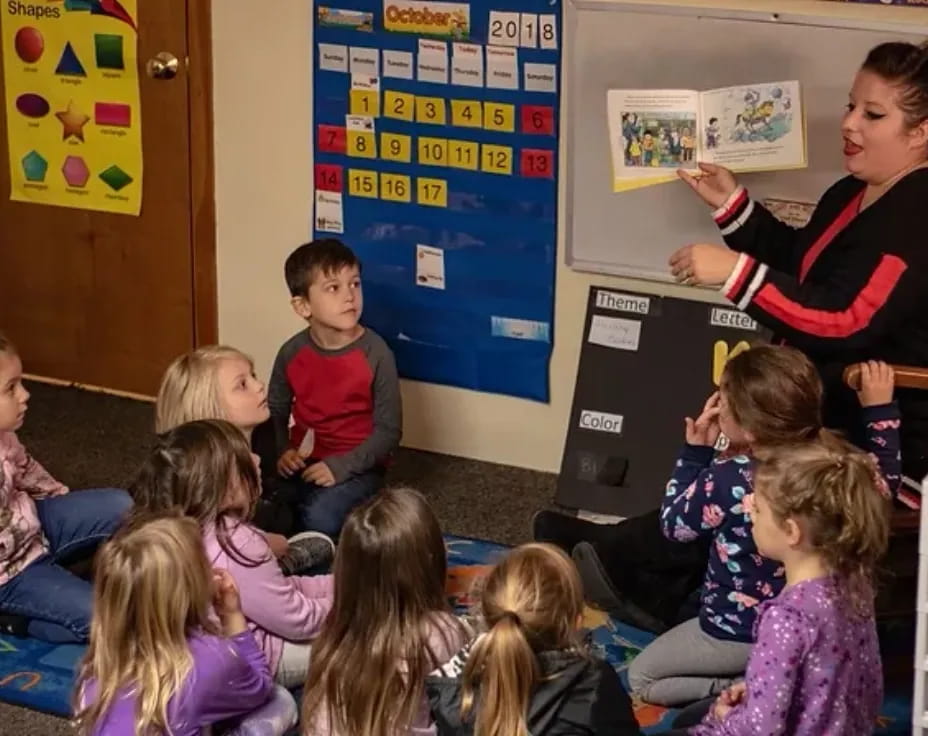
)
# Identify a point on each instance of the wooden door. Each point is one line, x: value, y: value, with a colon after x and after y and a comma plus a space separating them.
x: 108, y: 300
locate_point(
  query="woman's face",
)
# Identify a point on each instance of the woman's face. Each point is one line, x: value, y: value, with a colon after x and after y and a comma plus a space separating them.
x: 878, y: 143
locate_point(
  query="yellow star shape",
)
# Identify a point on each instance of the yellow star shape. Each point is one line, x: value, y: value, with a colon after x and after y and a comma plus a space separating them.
x: 72, y: 122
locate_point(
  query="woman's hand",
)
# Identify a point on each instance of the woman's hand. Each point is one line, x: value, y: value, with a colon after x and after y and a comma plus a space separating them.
x: 715, y: 184
x: 703, y: 264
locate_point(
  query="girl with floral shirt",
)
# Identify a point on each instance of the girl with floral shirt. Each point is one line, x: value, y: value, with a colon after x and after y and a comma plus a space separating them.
x: 770, y: 396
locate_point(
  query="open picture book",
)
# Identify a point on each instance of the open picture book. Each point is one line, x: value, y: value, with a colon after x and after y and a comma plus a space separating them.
x: 652, y: 133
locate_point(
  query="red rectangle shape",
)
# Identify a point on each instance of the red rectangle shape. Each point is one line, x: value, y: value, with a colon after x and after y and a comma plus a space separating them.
x: 114, y: 114
x: 537, y: 163
x: 329, y: 177
x: 331, y: 139
x: 538, y: 119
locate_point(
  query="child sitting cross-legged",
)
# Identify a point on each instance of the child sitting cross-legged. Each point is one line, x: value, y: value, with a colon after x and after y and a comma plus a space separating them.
x: 338, y: 381
x: 43, y: 527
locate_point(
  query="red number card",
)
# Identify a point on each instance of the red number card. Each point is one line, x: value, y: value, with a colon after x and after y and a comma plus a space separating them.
x: 329, y: 177
x: 538, y: 119
x: 537, y: 163
x: 331, y: 139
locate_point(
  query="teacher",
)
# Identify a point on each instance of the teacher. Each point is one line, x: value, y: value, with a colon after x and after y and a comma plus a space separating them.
x: 851, y: 285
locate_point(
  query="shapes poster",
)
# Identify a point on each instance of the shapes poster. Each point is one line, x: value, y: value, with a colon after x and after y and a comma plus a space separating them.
x: 436, y: 156
x: 72, y: 103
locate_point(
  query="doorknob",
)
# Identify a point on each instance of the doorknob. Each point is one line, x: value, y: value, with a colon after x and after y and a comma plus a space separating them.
x: 162, y: 66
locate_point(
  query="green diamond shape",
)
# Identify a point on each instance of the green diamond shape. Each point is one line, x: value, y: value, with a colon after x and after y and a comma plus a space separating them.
x: 34, y: 166
x: 116, y: 178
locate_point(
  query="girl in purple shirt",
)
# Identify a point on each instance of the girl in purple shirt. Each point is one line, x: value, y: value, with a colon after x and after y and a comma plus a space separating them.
x: 815, y: 668
x: 158, y: 662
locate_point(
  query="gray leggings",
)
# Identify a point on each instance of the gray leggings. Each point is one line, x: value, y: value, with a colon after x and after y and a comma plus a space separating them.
x: 686, y: 664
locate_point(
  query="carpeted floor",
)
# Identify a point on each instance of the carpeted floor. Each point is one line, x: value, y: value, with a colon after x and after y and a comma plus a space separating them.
x: 89, y: 440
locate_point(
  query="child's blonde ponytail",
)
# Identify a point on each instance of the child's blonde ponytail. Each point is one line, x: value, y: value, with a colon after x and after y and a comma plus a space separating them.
x: 507, y: 669
x: 532, y: 602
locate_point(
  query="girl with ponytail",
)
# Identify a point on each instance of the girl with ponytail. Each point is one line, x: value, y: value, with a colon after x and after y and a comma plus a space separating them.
x: 815, y: 667
x: 531, y: 672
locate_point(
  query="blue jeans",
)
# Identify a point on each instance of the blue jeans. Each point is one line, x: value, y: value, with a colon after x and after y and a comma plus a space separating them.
x: 57, y: 602
x: 324, y: 510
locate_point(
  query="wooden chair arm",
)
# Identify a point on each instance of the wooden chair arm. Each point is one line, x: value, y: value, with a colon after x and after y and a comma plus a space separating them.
x: 907, y: 376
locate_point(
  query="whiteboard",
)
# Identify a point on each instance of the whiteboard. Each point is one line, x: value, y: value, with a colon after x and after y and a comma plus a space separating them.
x: 612, y: 45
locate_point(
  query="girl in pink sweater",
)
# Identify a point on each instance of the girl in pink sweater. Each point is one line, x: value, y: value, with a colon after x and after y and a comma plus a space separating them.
x: 206, y: 470
x: 42, y: 527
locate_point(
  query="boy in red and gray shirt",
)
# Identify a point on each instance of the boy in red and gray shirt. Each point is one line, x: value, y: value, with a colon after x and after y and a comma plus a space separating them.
x: 338, y: 380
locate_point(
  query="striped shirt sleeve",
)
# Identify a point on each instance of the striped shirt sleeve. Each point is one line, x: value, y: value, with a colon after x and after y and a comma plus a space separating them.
x: 749, y: 228
x: 844, y: 312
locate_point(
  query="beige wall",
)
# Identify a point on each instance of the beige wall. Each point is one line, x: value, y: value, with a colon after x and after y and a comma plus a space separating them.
x: 262, y: 62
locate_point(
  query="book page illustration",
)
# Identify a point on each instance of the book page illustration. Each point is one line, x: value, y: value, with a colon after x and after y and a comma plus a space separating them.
x: 652, y: 134
x: 758, y: 126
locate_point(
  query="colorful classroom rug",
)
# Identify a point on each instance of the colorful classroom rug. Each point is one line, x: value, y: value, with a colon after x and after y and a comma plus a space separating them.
x: 40, y: 676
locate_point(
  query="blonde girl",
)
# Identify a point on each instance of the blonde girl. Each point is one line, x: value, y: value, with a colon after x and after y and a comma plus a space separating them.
x: 206, y: 471
x: 157, y: 663
x: 815, y: 667
x: 212, y: 382
x: 389, y: 626
x: 531, y: 672
x: 219, y: 382
x: 41, y: 525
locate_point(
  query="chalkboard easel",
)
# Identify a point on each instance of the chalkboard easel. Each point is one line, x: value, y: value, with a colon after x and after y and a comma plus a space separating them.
x: 646, y: 363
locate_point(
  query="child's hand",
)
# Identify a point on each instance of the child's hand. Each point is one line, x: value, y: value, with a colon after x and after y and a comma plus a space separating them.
x: 227, y: 603
x: 320, y: 474
x: 278, y: 544
x: 876, y: 383
x: 705, y: 429
x: 226, y: 600
x: 734, y: 694
x: 728, y: 699
x: 290, y: 462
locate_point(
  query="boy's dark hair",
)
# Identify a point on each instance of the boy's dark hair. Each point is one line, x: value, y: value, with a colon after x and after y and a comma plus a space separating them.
x: 325, y: 256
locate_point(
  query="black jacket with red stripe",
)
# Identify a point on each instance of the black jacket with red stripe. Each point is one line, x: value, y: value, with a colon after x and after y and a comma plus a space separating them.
x: 849, y: 286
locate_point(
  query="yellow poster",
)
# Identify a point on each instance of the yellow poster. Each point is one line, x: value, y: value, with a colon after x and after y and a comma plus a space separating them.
x: 72, y: 103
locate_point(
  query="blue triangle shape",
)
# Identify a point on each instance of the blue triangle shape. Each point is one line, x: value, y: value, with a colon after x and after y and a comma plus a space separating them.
x: 69, y: 65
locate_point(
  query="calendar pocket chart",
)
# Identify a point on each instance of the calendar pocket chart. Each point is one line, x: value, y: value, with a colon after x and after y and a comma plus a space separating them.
x: 436, y: 159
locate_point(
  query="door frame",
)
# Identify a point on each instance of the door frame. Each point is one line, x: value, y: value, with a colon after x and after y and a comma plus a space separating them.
x: 202, y: 172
